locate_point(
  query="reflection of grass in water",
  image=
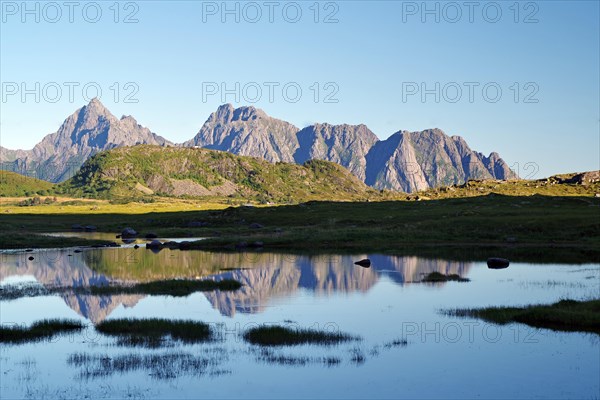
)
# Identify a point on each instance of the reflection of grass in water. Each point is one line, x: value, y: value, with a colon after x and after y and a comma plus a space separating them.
x: 154, y: 332
x: 272, y: 357
x: 29, y: 371
x: 549, y: 284
x: 39, y: 330
x: 282, y: 336
x: 565, y: 315
x: 169, y: 365
x: 171, y: 287
x: 439, y: 277
x: 357, y: 356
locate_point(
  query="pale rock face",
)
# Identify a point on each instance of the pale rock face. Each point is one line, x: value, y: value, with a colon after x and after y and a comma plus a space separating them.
x: 346, y: 145
x: 247, y: 131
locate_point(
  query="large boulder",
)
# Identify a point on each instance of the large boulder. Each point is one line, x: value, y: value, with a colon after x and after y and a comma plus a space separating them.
x: 128, y: 233
x: 155, y: 244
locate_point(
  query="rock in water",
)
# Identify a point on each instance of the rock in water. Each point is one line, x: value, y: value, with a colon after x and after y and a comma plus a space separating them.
x: 128, y: 233
x: 155, y: 244
x: 497, y: 263
x: 366, y: 263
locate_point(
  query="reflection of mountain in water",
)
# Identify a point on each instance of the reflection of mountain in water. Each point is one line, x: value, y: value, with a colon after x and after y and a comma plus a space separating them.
x: 279, y: 275
x: 55, y: 268
x: 265, y: 275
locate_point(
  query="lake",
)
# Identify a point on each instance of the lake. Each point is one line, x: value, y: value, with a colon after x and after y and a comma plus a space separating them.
x: 383, y: 305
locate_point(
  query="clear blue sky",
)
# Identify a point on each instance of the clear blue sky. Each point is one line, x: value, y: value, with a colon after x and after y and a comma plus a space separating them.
x: 374, y: 55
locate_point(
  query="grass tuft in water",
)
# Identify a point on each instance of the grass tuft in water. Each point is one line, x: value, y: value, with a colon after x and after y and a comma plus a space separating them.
x: 399, y: 342
x: 565, y: 315
x: 164, y: 366
x: 154, y: 332
x: 39, y: 330
x: 282, y: 336
x: 439, y: 277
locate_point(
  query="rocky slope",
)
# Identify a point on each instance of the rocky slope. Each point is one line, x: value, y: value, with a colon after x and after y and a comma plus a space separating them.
x: 146, y: 170
x: 87, y: 131
x: 247, y: 131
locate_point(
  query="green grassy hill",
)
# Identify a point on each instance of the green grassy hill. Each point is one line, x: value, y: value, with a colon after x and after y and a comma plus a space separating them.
x: 16, y: 185
x: 144, y: 171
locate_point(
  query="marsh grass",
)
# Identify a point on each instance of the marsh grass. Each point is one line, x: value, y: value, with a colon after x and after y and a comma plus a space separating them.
x: 171, y: 287
x: 155, y: 332
x: 565, y: 315
x: 165, y: 366
x: 283, y: 336
x: 399, y: 342
x: 17, y: 240
x: 12, y: 292
x: 40, y: 330
x: 435, y: 276
x: 270, y: 356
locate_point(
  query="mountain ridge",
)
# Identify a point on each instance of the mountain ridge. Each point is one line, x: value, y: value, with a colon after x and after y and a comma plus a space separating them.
x: 405, y: 161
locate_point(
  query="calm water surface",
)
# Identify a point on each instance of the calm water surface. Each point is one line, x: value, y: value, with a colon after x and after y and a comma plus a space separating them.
x: 445, y: 356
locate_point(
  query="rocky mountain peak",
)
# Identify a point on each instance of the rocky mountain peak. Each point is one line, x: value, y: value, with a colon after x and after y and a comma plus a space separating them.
x: 406, y: 161
x: 226, y: 113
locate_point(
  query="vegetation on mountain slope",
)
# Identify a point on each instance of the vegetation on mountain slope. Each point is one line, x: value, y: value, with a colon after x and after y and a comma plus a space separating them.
x: 15, y: 185
x: 143, y: 171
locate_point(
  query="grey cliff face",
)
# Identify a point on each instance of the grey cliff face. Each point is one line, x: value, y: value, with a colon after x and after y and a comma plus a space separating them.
x: 247, y: 131
x: 346, y: 145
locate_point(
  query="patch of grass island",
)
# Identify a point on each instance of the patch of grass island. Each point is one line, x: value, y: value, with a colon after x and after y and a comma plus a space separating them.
x: 284, y: 336
x: 154, y: 332
x: 434, y: 277
x: 40, y: 330
x: 170, y: 287
x: 565, y: 315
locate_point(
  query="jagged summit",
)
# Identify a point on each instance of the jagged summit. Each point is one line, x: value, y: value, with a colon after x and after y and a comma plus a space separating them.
x: 406, y: 161
x: 90, y: 129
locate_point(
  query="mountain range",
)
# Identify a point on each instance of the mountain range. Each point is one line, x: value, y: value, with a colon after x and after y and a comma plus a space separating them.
x: 406, y: 161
